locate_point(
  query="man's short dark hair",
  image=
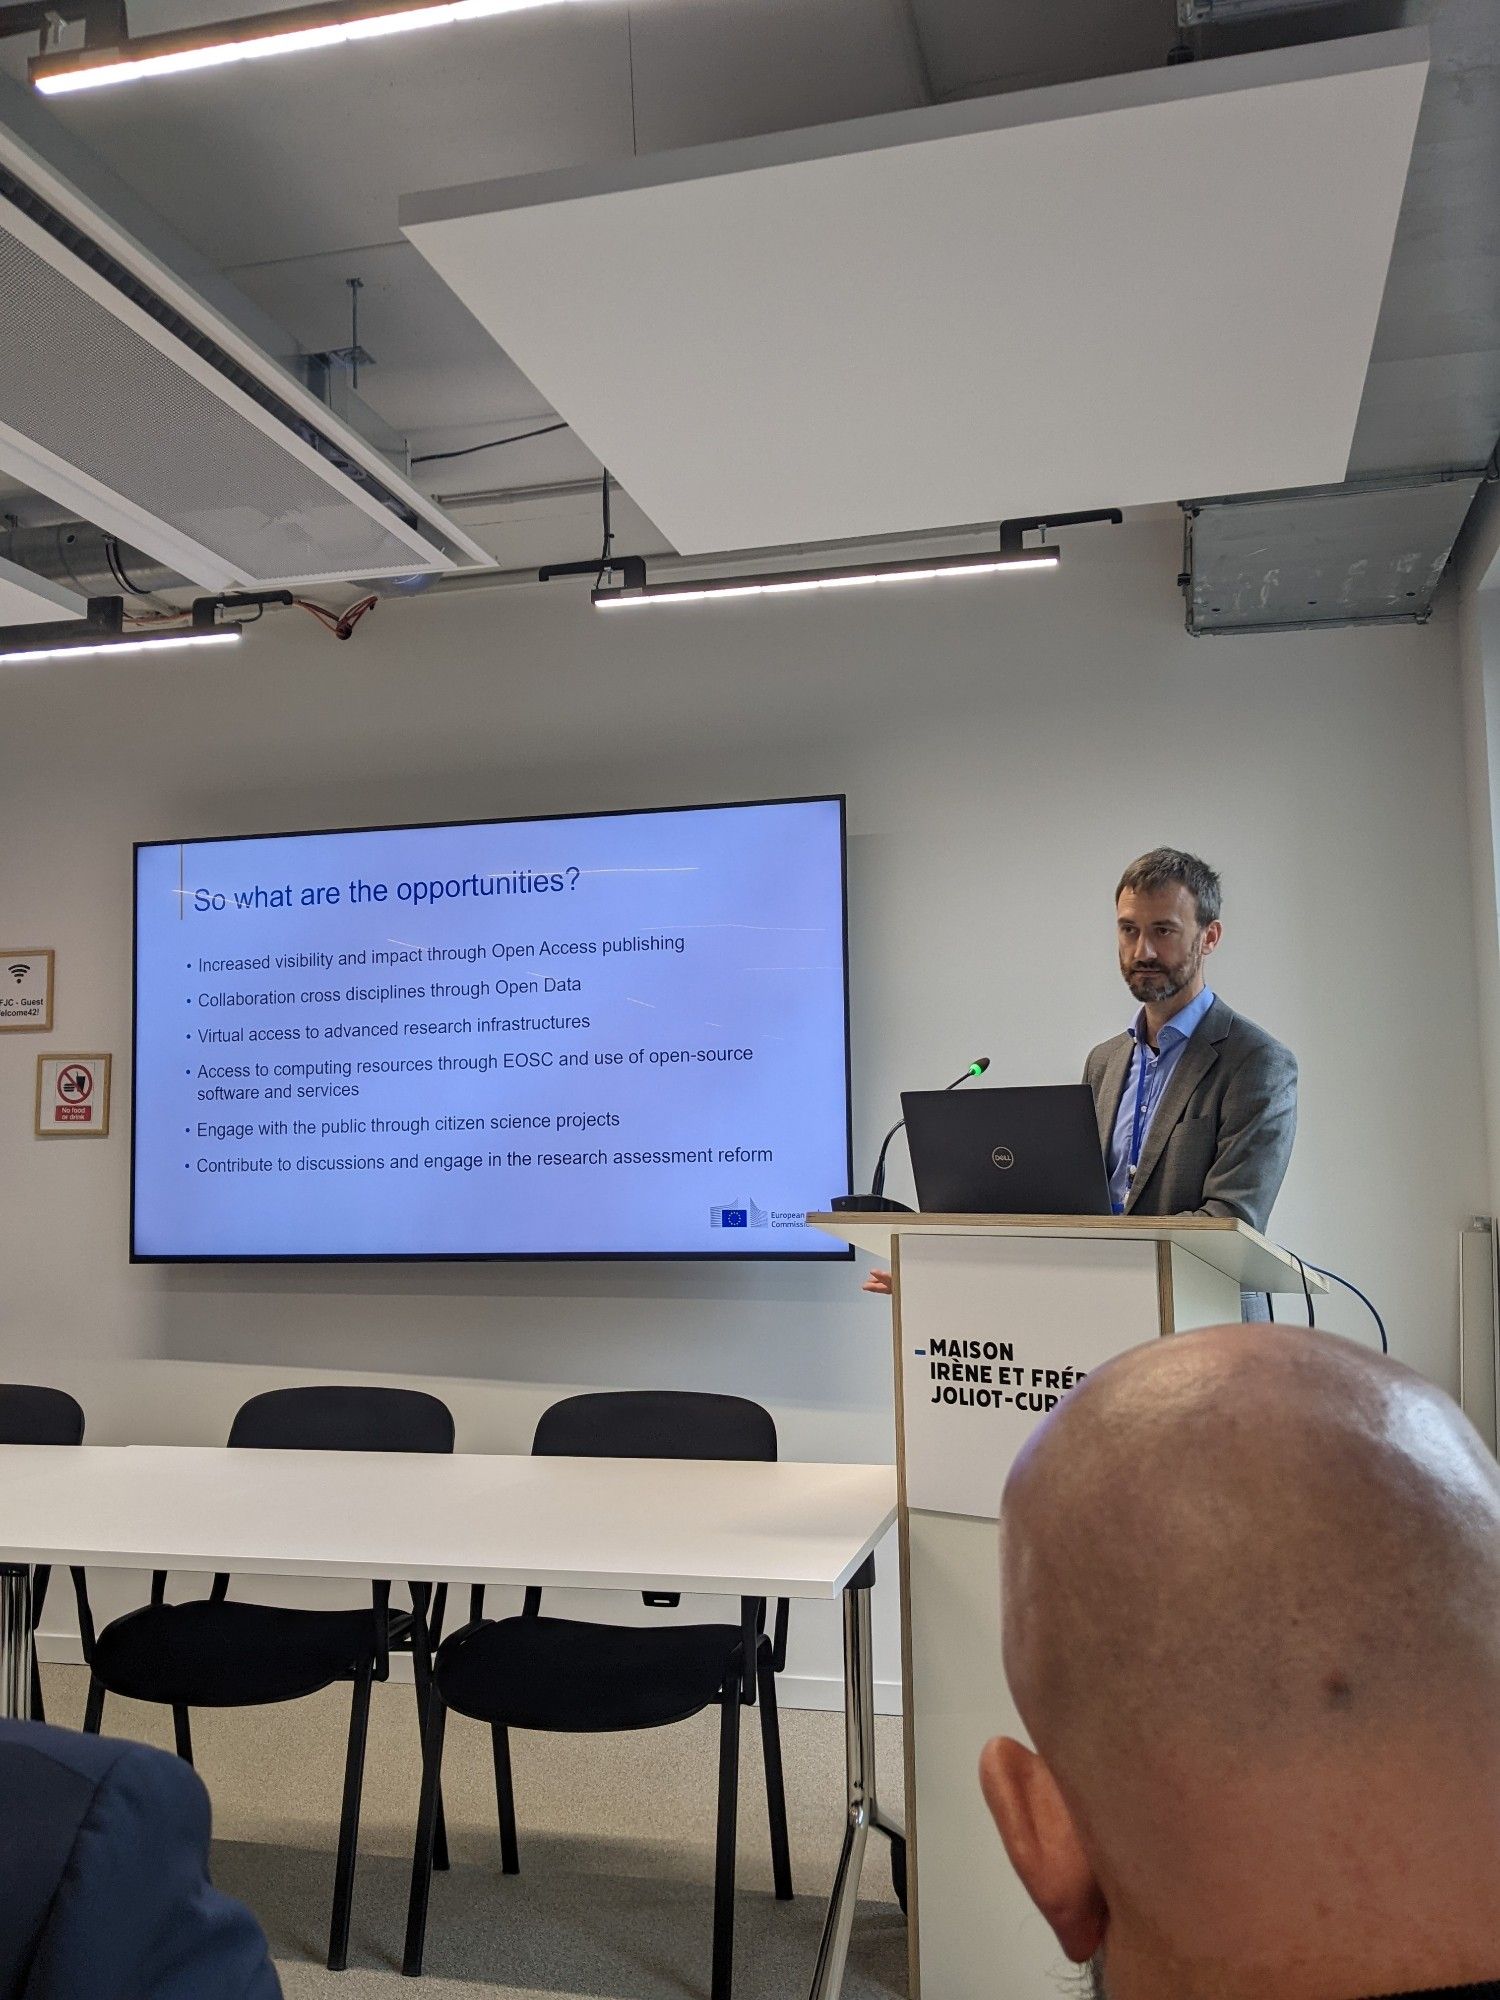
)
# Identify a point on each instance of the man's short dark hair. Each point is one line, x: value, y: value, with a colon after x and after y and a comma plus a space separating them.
x: 1163, y: 867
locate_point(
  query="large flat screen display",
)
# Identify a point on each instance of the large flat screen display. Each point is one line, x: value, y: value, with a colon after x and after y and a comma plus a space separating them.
x: 623, y: 1035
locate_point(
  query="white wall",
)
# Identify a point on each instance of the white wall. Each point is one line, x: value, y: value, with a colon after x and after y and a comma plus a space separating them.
x: 1476, y: 562
x: 1476, y: 571
x: 1005, y: 745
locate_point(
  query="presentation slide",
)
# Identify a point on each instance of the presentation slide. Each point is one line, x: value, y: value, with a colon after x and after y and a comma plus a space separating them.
x: 619, y: 1035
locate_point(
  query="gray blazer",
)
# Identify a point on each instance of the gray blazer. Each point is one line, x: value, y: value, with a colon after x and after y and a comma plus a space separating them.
x: 1222, y: 1134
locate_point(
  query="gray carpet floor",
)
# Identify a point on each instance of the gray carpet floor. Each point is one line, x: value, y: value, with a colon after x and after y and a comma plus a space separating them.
x: 615, y: 1896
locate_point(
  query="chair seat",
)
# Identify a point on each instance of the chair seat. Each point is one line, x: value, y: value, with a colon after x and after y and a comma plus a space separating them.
x: 227, y: 1655
x: 568, y: 1675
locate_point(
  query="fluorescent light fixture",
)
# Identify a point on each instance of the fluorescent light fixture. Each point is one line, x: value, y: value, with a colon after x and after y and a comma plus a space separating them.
x: 225, y: 635
x: 923, y: 569
x: 288, y: 33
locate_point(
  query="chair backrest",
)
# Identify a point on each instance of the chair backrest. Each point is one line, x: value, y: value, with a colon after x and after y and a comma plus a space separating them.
x: 30, y: 1415
x: 335, y: 1418
x: 655, y: 1423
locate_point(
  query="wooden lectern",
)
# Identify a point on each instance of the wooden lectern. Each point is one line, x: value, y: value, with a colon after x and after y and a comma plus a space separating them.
x: 995, y: 1318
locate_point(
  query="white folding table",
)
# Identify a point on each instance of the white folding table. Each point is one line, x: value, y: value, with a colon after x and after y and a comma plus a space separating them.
x: 719, y: 1527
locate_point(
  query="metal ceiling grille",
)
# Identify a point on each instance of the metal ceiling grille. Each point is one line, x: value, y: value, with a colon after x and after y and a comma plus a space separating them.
x: 1368, y: 552
x: 131, y: 413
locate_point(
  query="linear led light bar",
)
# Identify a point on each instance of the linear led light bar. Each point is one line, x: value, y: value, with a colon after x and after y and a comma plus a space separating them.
x: 787, y: 583
x: 288, y: 33
x: 105, y: 631
x: 62, y: 649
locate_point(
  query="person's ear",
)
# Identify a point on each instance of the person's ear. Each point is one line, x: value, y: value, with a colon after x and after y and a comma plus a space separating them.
x: 1043, y: 1844
x: 1211, y: 936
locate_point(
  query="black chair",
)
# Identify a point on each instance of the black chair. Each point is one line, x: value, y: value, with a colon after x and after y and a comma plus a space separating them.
x: 30, y: 1415
x: 569, y: 1676
x: 213, y: 1653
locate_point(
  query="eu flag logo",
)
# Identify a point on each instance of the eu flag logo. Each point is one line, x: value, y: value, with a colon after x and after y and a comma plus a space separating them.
x: 743, y: 1215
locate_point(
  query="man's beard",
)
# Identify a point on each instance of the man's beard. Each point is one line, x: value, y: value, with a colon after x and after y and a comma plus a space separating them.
x: 1158, y: 982
x: 1096, y: 1988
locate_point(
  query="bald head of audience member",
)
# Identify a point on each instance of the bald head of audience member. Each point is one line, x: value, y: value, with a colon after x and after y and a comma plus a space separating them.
x: 1251, y: 1581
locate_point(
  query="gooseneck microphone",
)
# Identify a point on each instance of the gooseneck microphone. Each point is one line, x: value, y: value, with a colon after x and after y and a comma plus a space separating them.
x: 877, y: 1179
x: 876, y: 1202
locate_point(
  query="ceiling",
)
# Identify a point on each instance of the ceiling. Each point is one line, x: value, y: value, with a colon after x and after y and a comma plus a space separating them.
x: 289, y: 181
x: 969, y: 312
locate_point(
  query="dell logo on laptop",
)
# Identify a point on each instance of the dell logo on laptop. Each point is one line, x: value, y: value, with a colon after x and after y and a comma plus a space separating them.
x: 1003, y: 1157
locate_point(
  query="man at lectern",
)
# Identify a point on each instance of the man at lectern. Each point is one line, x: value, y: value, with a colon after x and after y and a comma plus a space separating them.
x: 1197, y: 1106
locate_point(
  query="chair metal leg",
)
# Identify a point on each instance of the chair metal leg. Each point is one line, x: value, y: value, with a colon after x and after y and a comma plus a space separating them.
x: 421, y: 1860
x: 93, y: 1712
x: 41, y: 1576
x: 85, y: 1615
x: 505, y: 1800
x: 182, y: 1730
x: 15, y: 1640
x: 729, y: 1787
x: 770, y: 1743
x: 421, y: 1661
x: 354, y: 1778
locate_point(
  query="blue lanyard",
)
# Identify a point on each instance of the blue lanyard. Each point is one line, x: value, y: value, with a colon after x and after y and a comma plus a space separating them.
x: 1138, y: 1124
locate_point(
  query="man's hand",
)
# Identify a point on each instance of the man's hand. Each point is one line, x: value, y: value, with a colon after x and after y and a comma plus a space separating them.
x: 879, y: 1282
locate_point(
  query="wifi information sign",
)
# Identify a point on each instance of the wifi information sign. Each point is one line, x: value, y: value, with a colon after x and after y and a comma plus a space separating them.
x: 25, y: 989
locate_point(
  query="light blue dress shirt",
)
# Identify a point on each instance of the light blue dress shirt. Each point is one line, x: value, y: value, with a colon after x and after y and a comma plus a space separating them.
x: 1158, y: 1065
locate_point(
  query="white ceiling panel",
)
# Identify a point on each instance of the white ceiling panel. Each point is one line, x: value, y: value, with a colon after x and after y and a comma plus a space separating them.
x: 1111, y: 293
x: 28, y: 599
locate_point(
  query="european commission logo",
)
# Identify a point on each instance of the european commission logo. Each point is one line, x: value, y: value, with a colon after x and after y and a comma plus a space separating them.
x: 746, y: 1216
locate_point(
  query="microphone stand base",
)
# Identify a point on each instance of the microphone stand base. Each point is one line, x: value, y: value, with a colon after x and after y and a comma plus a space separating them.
x: 868, y: 1204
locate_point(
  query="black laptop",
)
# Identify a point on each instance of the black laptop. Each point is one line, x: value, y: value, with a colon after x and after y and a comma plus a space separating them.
x: 1029, y: 1151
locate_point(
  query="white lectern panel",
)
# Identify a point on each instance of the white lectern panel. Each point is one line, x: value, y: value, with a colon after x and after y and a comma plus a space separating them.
x: 994, y: 1332
x: 978, y: 1935
x: 1002, y: 1321
x: 994, y: 1315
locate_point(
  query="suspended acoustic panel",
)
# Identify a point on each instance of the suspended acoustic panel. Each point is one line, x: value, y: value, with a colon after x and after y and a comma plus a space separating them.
x: 124, y: 397
x: 1109, y: 293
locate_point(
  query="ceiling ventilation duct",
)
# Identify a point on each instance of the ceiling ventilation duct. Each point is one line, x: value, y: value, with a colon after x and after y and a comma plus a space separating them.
x: 127, y: 398
x: 1371, y: 551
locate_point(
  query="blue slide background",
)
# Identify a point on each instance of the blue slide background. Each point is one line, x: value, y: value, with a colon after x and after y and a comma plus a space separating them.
x: 755, y: 894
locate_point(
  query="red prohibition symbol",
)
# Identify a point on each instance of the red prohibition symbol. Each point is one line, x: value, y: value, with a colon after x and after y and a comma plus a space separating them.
x: 75, y: 1084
